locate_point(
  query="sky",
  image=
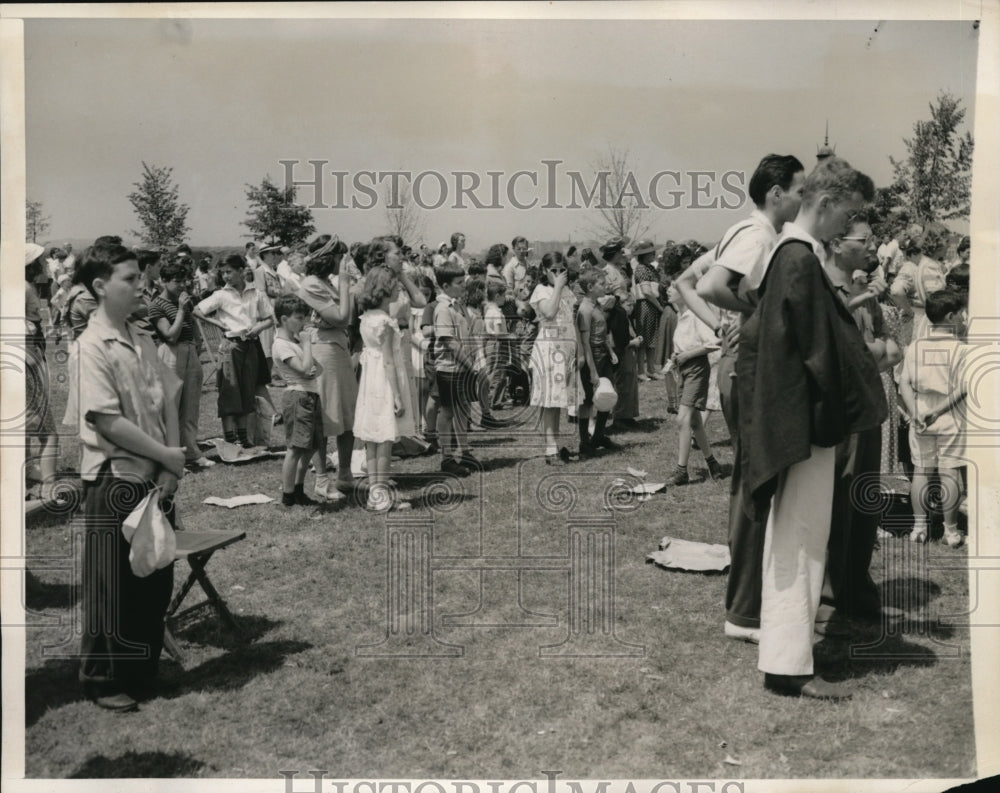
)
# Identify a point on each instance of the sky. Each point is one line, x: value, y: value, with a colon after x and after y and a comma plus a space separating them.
x: 223, y: 101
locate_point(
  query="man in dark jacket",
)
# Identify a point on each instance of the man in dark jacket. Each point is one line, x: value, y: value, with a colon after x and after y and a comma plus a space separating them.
x: 806, y: 381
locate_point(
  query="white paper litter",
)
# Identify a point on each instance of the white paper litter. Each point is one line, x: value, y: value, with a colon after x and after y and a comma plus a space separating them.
x: 238, y: 501
x: 636, y: 472
x: 677, y: 554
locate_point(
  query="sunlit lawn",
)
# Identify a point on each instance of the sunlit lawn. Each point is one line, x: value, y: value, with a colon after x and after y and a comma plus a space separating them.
x: 664, y: 695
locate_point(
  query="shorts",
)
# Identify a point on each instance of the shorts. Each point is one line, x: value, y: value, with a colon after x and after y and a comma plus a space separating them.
x: 456, y: 391
x: 302, y: 416
x: 932, y: 450
x: 238, y: 378
x: 695, y: 375
x: 604, y: 369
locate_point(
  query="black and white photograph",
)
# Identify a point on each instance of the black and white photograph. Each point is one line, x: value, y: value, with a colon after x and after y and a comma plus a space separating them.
x: 490, y: 398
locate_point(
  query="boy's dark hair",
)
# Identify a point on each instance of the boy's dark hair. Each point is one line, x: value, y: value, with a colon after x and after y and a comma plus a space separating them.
x: 99, y: 261
x: 233, y: 262
x: 590, y: 276
x: 942, y: 303
x: 957, y: 279
x: 174, y: 271
x: 448, y: 272
x: 517, y: 239
x: 286, y: 305
x: 476, y: 268
x: 146, y: 258
x: 495, y: 289
x: 108, y: 239
x: 552, y: 258
x: 774, y: 169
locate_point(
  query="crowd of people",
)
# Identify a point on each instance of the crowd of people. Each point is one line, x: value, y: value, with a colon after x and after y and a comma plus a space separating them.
x: 794, y: 325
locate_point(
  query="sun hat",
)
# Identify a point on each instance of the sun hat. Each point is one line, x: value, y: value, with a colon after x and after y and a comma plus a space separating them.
x: 32, y: 252
x: 646, y: 246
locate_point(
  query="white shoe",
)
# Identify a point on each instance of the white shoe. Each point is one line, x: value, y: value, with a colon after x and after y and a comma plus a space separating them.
x: 203, y: 462
x: 918, y: 535
x: 953, y: 539
x: 732, y: 631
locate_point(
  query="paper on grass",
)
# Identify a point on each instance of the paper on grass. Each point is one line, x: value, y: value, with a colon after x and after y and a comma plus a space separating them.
x: 677, y: 554
x: 238, y: 501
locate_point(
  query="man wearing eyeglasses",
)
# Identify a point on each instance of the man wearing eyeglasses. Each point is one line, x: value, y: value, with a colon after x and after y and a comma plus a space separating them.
x: 851, y: 265
x: 806, y: 382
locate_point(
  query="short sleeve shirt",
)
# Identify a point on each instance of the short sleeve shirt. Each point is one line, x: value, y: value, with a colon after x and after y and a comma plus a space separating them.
x: 238, y: 312
x: 121, y: 376
x: 281, y: 351
x: 161, y: 308
x: 448, y: 324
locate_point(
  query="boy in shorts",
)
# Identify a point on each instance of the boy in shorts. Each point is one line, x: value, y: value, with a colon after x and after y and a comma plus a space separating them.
x: 932, y: 386
x: 301, y: 411
x: 693, y: 341
x: 242, y: 313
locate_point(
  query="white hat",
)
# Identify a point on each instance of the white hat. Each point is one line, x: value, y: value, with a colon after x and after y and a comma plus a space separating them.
x: 32, y: 252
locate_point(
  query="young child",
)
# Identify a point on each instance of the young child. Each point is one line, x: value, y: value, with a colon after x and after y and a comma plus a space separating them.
x: 472, y: 302
x: 599, y: 360
x: 130, y: 438
x: 170, y: 316
x: 242, y: 313
x: 553, y: 357
x: 418, y: 350
x: 382, y: 415
x: 453, y: 372
x: 524, y: 328
x: 668, y: 324
x: 301, y: 411
x: 497, y: 345
x: 40, y: 424
x: 693, y: 341
x: 932, y: 385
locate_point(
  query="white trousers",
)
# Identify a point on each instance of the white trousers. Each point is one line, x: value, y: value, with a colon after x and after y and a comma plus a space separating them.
x: 795, y: 539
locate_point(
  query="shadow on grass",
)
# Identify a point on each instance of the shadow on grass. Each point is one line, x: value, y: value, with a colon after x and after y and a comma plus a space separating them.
x: 234, y: 669
x: 49, y: 687
x: 878, y: 653
x: 40, y: 595
x: 207, y: 630
x: 133, y: 765
x: 497, y: 463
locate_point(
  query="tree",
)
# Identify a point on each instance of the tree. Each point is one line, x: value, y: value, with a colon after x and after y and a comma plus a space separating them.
x: 159, y: 209
x: 37, y: 222
x: 274, y: 216
x: 402, y: 214
x: 935, y: 179
x: 622, y: 212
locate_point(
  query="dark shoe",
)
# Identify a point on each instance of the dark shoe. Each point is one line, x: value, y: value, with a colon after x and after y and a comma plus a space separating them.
x: 566, y: 455
x: 809, y: 686
x: 680, y: 478
x: 119, y: 703
x: 469, y: 461
x: 714, y: 469
x: 432, y: 448
x: 830, y: 631
x: 589, y: 450
x: 554, y: 459
x: 455, y: 468
x: 605, y: 443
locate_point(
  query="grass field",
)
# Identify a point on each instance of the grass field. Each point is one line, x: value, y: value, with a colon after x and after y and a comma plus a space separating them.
x: 664, y: 695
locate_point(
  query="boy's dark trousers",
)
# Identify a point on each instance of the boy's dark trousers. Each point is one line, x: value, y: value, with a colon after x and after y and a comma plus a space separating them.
x: 746, y: 536
x: 123, y: 615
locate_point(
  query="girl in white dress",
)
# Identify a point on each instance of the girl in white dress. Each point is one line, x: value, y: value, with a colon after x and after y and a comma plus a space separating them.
x: 553, y: 356
x: 383, y: 411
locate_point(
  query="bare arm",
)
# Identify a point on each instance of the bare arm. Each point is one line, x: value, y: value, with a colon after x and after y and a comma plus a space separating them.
x: 686, y: 285
x: 122, y: 432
